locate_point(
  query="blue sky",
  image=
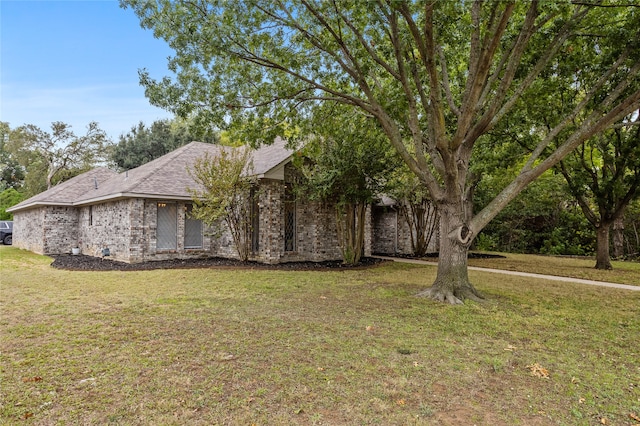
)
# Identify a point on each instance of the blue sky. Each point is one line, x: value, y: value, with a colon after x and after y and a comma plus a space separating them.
x: 76, y: 62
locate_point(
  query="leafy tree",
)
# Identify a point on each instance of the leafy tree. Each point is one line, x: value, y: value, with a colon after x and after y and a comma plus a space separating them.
x: 61, y: 150
x: 225, y: 196
x: 11, y: 172
x: 542, y: 219
x: 8, y: 198
x: 604, y: 177
x: 436, y: 75
x: 143, y: 144
x: 347, y: 163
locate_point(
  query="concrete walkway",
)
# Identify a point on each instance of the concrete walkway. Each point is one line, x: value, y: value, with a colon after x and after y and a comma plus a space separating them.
x: 521, y: 274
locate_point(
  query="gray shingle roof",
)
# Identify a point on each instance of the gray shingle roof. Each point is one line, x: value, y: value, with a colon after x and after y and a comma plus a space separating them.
x: 165, y: 177
x: 66, y: 193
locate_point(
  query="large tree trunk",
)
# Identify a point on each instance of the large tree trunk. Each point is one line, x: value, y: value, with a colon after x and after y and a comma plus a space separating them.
x: 452, y: 283
x: 603, y: 260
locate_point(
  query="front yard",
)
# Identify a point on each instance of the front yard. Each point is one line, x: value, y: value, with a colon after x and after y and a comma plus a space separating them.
x: 221, y: 346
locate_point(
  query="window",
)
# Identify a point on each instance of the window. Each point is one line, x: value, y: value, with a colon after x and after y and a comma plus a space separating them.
x: 289, y: 219
x: 90, y: 215
x: 167, y: 226
x: 192, y: 230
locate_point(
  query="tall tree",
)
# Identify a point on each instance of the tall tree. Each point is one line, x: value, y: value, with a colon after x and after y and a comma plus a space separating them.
x: 436, y: 75
x: 62, y: 150
x: 604, y: 177
x: 145, y: 143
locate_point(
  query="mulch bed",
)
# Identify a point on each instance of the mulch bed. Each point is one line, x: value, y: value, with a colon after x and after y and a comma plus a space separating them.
x: 90, y: 263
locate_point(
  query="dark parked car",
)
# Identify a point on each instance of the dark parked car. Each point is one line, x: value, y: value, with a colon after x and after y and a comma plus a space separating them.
x: 6, y: 232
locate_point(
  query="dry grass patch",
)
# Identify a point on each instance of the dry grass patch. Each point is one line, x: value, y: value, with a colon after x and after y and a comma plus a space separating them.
x: 584, y: 268
x: 206, y: 347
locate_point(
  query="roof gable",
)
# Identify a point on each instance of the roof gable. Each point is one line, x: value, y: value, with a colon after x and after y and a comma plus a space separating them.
x: 165, y: 177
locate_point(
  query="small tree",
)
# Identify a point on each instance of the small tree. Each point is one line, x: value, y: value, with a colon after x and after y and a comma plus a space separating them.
x: 331, y: 175
x: 225, y: 195
x: 346, y: 161
x: 418, y: 210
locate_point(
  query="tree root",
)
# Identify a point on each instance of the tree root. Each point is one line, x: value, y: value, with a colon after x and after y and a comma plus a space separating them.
x: 453, y: 297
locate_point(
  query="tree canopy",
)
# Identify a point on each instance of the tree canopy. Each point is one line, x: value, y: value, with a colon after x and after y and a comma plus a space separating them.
x: 57, y: 153
x: 436, y: 75
x: 145, y: 143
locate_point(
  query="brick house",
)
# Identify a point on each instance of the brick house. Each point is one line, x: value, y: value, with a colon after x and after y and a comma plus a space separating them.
x: 142, y: 215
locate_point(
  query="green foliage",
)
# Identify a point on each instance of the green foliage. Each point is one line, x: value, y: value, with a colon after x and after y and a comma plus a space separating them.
x: 542, y: 219
x: 224, y: 195
x: 8, y: 198
x: 346, y: 161
x: 52, y: 155
x: 11, y: 172
x: 143, y: 144
x: 632, y: 230
x: 435, y: 76
x: 263, y: 67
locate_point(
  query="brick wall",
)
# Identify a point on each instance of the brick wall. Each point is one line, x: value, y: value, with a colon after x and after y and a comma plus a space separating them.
x: 128, y: 228
x: 391, y: 234
x: 47, y: 230
x: 28, y: 232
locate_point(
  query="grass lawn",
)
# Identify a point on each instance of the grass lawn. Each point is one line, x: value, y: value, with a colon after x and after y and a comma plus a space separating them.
x: 576, y: 267
x: 219, y: 346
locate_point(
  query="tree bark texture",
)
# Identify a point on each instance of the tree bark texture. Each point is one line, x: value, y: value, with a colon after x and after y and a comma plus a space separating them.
x: 603, y: 261
x: 350, y: 224
x: 452, y: 283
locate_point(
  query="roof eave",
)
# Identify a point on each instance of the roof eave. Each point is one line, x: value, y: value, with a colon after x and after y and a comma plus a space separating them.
x: 126, y: 195
x: 37, y: 204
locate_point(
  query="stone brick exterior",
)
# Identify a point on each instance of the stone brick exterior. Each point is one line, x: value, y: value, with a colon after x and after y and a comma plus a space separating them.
x: 391, y: 233
x: 46, y: 230
x: 128, y: 228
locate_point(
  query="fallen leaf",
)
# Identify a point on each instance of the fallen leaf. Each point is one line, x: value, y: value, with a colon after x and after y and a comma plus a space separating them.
x: 401, y: 402
x: 27, y: 415
x: 581, y: 400
x: 510, y: 348
x: 634, y: 416
x: 32, y: 379
x: 538, y: 371
x: 370, y: 328
x: 604, y: 421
